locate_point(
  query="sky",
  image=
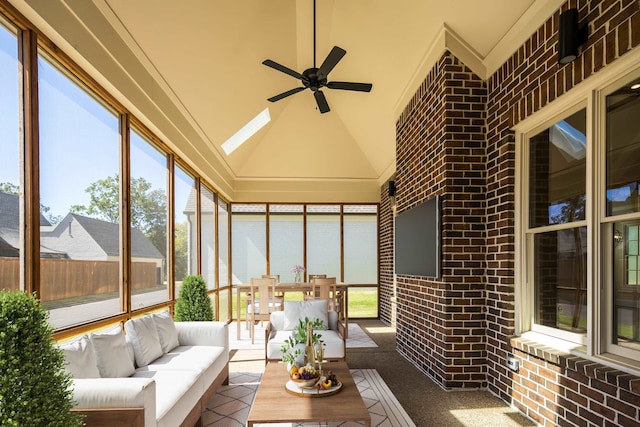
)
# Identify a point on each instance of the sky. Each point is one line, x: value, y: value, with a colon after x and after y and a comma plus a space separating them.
x: 79, y: 141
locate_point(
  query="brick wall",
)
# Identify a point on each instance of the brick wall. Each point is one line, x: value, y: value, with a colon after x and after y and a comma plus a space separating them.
x: 440, y: 151
x: 454, y: 139
x: 385, y: 293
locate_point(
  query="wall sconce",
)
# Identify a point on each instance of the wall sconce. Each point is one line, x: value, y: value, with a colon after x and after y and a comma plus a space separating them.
x: 570, y: 36
x: 617, y: 238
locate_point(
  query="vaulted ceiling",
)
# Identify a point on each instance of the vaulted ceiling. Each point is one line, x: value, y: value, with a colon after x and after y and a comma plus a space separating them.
x: 191, y: 70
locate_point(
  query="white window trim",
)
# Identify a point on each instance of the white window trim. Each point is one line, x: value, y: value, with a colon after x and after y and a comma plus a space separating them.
x: 592, y: 93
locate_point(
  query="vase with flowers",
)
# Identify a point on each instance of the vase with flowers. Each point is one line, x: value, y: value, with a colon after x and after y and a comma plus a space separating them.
x: 298, y: 272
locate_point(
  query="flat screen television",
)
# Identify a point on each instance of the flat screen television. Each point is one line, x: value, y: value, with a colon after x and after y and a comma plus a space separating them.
x: 417, y: 240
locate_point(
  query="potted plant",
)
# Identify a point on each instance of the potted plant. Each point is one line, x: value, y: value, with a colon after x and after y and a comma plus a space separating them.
x: 293, y: 347
x: 193, y: 303
x: 35, y: 389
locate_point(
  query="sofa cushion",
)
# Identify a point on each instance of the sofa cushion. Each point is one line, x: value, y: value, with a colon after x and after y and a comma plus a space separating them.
x: 80, y: 358
x: 207, y: 361
x: 166, y: 331
x: 333, y: 344
x: 294, y: 311
x: 144, y: 338
x: 177, y: 392
x: 112, y: 354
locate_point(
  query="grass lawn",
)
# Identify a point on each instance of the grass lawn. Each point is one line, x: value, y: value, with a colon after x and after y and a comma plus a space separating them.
x: 363, y: 302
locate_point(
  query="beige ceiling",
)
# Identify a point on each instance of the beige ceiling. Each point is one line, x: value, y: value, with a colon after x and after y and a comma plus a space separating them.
x: 191, y: 69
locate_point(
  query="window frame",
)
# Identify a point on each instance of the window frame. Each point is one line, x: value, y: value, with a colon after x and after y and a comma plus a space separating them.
x: 596, y: 344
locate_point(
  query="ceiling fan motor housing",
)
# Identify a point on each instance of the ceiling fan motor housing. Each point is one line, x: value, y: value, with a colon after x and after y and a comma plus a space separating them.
x: 314, y: 81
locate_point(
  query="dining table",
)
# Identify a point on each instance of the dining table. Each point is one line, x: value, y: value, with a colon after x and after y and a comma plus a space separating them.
x: 305, y: 288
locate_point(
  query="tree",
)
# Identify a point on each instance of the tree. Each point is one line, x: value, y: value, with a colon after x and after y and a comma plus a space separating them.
x: 181, y: 244
x: 148, y: 207
x: 194, y: 304
x: 35, y: 390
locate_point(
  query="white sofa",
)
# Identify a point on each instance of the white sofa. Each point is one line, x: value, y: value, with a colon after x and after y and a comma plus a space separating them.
x: 161, y: 374
x: 283, y: 323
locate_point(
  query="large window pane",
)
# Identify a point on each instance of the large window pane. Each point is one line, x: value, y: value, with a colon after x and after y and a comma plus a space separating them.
x: 186, y: 227
x: 323, y: 240
x: 249, y: 244
x: 148, y: 223
x: 557, y: 175
x: 79, y: 188
x: 360, y: 244
x: 286, y: 239
x: 623, y: 150
x: 626, y: 284
x: 207, y: 234
x: 223, y: 244
x: 560, y: 279
x: 10, y: 220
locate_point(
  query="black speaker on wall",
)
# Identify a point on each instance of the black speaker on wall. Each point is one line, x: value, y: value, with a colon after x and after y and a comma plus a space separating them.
x: 570, y: 36
x: 392, y: 188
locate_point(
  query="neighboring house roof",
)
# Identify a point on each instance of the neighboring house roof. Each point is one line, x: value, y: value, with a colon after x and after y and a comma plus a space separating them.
x: 10, y: 212
x: 7, y: 250
x: 106, y: 235
x: 206, y: 202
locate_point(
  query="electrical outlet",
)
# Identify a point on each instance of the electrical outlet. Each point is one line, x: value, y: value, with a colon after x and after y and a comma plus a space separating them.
x: 513, y: 364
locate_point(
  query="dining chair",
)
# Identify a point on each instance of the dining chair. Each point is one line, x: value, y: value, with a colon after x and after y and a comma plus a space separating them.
x: 263, y: 301
x: 316, y: 276
x: 324, y: 288
x: 272, y: 276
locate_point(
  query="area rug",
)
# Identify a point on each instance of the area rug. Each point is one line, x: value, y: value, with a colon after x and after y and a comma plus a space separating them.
x: 230, y: 406
x: 356, y: 338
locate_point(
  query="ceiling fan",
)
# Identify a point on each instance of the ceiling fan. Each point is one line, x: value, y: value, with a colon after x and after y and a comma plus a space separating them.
x: 316, y: 78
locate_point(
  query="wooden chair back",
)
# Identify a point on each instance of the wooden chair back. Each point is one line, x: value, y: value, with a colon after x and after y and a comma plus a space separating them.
x: 324, y: 288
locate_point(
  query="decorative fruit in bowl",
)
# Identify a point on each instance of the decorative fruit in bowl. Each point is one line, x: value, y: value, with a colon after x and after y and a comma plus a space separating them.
x: 305, y: 376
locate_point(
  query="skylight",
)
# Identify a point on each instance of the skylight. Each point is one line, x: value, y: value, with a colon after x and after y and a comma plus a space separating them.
x: 246, y: 131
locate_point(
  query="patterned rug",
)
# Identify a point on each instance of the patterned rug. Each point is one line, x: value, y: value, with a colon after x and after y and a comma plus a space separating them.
x: 230, y: 406
x: 356, y: 338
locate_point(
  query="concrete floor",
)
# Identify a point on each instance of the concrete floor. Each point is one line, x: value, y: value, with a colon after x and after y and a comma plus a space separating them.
x: 426, y: 402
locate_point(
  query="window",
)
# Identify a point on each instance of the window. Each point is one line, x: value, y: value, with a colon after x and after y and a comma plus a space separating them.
x: 80, y: 209
x: 361, y: 244
x: 223, y: 260
x: 557, y: 197
x: 186, y: 225
x: 249, y: 246
x: 623, y: 217
x: 10, y: 221
x: 149, y: 198
x: 581, y: 225
x: 323, y: 240
x: 286, y: 239
x: 207, y: 236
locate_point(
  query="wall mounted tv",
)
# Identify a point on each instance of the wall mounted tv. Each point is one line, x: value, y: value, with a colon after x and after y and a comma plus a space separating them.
x: 417, y: 240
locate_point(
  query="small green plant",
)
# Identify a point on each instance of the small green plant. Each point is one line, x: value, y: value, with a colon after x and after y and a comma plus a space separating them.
x: 290, y: 349
x: 193, y: 303
x: 35, y: 390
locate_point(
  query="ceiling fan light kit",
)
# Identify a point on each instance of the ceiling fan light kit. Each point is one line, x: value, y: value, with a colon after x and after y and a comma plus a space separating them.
x: 316, y: 78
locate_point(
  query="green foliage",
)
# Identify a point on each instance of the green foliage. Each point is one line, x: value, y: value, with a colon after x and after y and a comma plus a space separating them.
x: 193, y: 303
x: 290, y: 349
x: 181, y: 243
x: 148, y: 207
x: 35, y: 390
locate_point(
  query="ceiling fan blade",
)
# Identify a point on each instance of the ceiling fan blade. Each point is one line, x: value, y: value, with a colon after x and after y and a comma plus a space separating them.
x: 359, y: 87
x: 285, y: 94
x: 282, y: 68
x: 323, y: 106
x: 330, y: 61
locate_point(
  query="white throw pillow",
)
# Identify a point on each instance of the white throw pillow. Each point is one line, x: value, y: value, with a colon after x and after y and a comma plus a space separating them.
x: 80, y: 358
x: 294, y: 311
x: 144, y: 338
x: 112, y: 354
x: 166, y: 331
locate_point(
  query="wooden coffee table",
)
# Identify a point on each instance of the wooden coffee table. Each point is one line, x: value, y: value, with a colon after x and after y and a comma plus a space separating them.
x: 274, y: 404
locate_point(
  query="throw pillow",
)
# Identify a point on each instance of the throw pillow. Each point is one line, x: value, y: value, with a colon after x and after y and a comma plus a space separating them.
x: 112, y: 354
x: 144, y: 338
x: 294, y: 311
x: 80, y: 358
x: 166, y: 331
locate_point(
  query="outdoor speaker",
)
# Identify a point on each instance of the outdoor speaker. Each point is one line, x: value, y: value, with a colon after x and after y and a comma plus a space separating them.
x: 392, y: 188
x: 570, y: 36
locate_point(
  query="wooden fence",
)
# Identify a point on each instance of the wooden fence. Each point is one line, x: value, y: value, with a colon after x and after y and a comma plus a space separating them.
x: 64, y: 278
